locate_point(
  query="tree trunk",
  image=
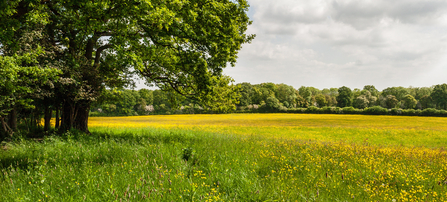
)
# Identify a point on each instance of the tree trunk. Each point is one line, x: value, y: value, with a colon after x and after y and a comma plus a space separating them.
x: 75, y: 116
x: 68, y: 116
x: 56, y: 125
x: 47, y: 118
x: 81, y: 120
x: 12, y: 119
x: 6, y: 128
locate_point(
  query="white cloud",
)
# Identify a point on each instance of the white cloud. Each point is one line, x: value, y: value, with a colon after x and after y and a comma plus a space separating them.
x: 330, y: 43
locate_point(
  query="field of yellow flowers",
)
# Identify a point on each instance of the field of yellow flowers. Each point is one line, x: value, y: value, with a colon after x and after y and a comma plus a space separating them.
x: 233, y: 157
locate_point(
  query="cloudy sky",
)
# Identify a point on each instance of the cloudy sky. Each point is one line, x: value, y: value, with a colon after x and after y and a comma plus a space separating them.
x: 334, y: 43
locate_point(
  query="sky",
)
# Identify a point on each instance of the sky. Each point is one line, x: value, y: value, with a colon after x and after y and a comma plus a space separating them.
x: 334, y: 43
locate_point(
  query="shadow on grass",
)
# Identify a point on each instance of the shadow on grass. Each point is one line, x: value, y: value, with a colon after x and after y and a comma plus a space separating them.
x: 103, y: 146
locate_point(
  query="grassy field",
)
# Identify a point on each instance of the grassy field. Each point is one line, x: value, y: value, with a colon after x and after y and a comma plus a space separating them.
x: 236, y: 157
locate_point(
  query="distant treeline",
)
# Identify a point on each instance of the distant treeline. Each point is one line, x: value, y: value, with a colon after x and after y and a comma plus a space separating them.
x: 270, y: 97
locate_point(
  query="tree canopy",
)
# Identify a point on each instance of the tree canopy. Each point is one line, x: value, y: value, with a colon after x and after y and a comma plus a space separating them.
x: 178, y: 46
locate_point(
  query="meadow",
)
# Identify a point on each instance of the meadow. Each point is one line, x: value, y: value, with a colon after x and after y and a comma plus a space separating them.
x: 233, y: 157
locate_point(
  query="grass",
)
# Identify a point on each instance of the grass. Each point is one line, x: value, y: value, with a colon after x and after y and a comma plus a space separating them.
x: 267, y: 157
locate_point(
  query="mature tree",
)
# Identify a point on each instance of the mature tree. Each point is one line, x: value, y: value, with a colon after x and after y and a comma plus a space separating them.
x: 391, y: 101
x: 286, y: 94
x: 361, y: 102
x: 439, y: 95
x: 371, y: 99
x: 372, y: 89
x: 355, y: 93
x: 147, y: 95
x: 344, y: 97
x: 398, y: 92
x: 409, y: 102
x: 17, y: 84
x: 223, y: 97
x: 422, y: 91
x: 306, y: 93
x: 300, y: 101
x: 321, y: 100
x: 426, y: 101
x: 272, y: 103
x: 179, y: 46
x: 246, y: 92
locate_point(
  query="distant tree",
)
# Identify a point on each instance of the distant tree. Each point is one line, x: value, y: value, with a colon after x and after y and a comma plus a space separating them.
x: 344, y: 97
x: 361, y: 102
x: 160, y: 97
x: 426, y: 101
x: 372, y: 89
x: 391, y: 101
x: 332, y: 100
x: 398, y: 92
x: 356, y: 92
x: 371, y: 99
x: 321, y: 100
x: 272, y: 103
x: 409, y: 102
x: 286, y: 93
x: 334, y: 92
x: 246, y: 92
x: 223, y: 97
x: 439, y: 95
x: 147, y: 95
x: 305, y: 93
x: 300, y: 101
x: 326, y: 91
x: 420, y: 92
x: 315, y: 91
x: 262, y: 91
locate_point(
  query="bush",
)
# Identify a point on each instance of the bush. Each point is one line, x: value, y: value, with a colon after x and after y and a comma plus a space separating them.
x: 442, y: 112
x: 351, y: 110
x: 313, y: 110
x: 429, y: 112
x: 376, y: 110
x: 328, y: 110
x: 411, y: 112
x: 396, y: 111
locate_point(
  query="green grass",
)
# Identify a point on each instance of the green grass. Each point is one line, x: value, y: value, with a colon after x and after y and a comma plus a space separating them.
x: 146, y: 164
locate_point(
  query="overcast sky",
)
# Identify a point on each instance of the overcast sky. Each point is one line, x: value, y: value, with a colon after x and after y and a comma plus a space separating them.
x: 334, y: 43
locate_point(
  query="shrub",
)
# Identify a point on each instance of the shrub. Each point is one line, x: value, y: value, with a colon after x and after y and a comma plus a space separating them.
x: 429, y: 112
x: 396, y: 111
x: 351, y: 110
x: 328, y: 110
x: 375, y: 110
x: 313, y: 110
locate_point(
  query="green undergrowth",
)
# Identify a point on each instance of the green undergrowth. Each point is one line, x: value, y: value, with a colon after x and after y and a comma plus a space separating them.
x: 182, y: 165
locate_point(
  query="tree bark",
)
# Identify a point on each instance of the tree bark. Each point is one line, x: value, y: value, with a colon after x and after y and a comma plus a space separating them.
x: 47, y: 118
x: 12, y: 119
x: 6, y: 128
x: 68, y: 115
x: 56, y: 125
x: 81, y: 120
x: 75, y: 116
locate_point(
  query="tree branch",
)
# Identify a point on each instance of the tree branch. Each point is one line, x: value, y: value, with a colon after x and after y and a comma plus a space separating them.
x: 99, y: 51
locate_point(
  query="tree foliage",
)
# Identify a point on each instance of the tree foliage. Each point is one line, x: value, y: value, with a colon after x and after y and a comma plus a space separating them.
x: 439, y: 95
x: 344, y: 97
x: 179, y: 46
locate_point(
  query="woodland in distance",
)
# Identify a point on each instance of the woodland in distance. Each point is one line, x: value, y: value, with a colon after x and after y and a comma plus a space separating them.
x: 270, y: 97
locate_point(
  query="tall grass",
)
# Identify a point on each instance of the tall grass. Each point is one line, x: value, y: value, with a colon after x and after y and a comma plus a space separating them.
x: 188, y: 164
